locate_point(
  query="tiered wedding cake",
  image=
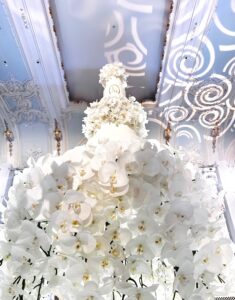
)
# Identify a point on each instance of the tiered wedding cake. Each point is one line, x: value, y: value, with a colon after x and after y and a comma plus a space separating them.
x: 116, y: 218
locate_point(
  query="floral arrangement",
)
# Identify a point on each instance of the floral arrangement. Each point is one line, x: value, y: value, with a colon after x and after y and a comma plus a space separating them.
x: 110, y: 71
x: 115, y: 109
x: 117, y: 218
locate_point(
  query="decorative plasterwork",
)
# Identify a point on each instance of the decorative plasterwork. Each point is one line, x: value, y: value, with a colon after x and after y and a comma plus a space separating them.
x: 42, y: 98
x: 34, y: 151
x: 34, y: 27
x: 74, y: 107
x: 22, y: 101
x: 196, y: 89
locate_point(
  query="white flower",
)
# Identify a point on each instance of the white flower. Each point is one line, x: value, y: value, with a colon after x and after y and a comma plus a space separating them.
x: 78, y: 206
x: 157, y: 207
x: 114, y: 70
x: 176, y: 253
x: 157, y: 242
x: 137, y: 266
x: 82, y: 272
x: 115, y: 233
x: 81, y: 244
x: 184, y: 281
x: 148, y: 160
x: 212, y: 257
x: 114, y: 217
x: 140, y: 247
x: 177, y: 233
x: 142, y: 224
x: 113, y: 179
x: 115, y: 109
x: 136, y: 293
x: 179, y: 212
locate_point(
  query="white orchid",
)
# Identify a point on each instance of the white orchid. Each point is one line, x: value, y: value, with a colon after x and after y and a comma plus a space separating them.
x: 142, y: 224
x: 118, y: 217
x: 114, y: 233
x: 184, y: 282
x: 137, y: 293
x: 139, y: 247
x: 137, y: 266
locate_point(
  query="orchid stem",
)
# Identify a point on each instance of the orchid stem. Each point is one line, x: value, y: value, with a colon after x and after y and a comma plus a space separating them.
x: 175, y: 292
x: 131, y: 279
x: 39, y: 288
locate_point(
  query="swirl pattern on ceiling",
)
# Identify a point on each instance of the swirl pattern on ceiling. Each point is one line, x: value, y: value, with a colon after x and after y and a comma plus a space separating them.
x: 196, y: 92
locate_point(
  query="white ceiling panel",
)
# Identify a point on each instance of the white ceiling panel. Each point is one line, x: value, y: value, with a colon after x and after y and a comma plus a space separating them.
x: 92, y: 33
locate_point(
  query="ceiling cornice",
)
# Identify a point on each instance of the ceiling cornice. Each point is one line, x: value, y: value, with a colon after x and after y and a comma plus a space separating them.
x: 33, y: 25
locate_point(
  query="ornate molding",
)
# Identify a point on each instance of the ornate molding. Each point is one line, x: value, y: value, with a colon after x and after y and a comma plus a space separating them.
x: 173, y: 12
x: 22, y: 101
x: 73, y: 107
x: 33, y: 24
x: 35, y: 152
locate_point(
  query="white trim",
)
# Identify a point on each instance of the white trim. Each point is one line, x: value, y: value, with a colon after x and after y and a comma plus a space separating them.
x: 167, y: 47
x: 34, y: 27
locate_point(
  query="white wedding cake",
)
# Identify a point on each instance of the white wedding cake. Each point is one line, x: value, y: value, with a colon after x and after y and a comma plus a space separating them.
x: 116, y: 218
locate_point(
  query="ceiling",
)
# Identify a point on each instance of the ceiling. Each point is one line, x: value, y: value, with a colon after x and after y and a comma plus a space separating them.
x: 91, y: 33
x: 179, y: 55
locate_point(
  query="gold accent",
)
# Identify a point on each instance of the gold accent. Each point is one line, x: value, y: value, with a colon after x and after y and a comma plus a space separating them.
x: 58, y: 137
x: 114, y: 89
x: 104, y: 263
x: 59, y: 206
x: 75, y: 223
x: 140, y: 249
x: 141, y: 226
x: 113, y: 180
x: 86, y: 277
x: 214, y: 134
x: 205, y: 260
x: 63, y: 226
x: 60, y: 186
x: 138, y: 296
x: 9, y: 137
x: 98, y: 246
x: 76, y: 207
x: 167, y: 133
x: 82, y: 172
x: 121, y: 208
x: 115, y: 235
x: 115, y: 252
x: 158, y: 241
x: 78, y: 245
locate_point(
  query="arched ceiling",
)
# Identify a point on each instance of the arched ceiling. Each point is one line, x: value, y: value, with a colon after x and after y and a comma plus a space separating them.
x: 179, y: 55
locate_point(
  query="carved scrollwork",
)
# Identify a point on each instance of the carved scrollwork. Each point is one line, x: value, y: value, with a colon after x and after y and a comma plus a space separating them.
x: 22, y: 100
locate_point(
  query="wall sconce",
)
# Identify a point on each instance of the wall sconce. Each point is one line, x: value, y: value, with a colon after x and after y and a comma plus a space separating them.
x: 167, y: 133
x: 9, y: 137
x: 58, y: 137
x: 214, y: 134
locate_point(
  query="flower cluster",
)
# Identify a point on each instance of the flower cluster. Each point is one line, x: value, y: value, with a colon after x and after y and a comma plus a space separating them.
x: 115, y: 70
x: 117, y: 218
x: 115, y: 111
x: 115, y: 108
